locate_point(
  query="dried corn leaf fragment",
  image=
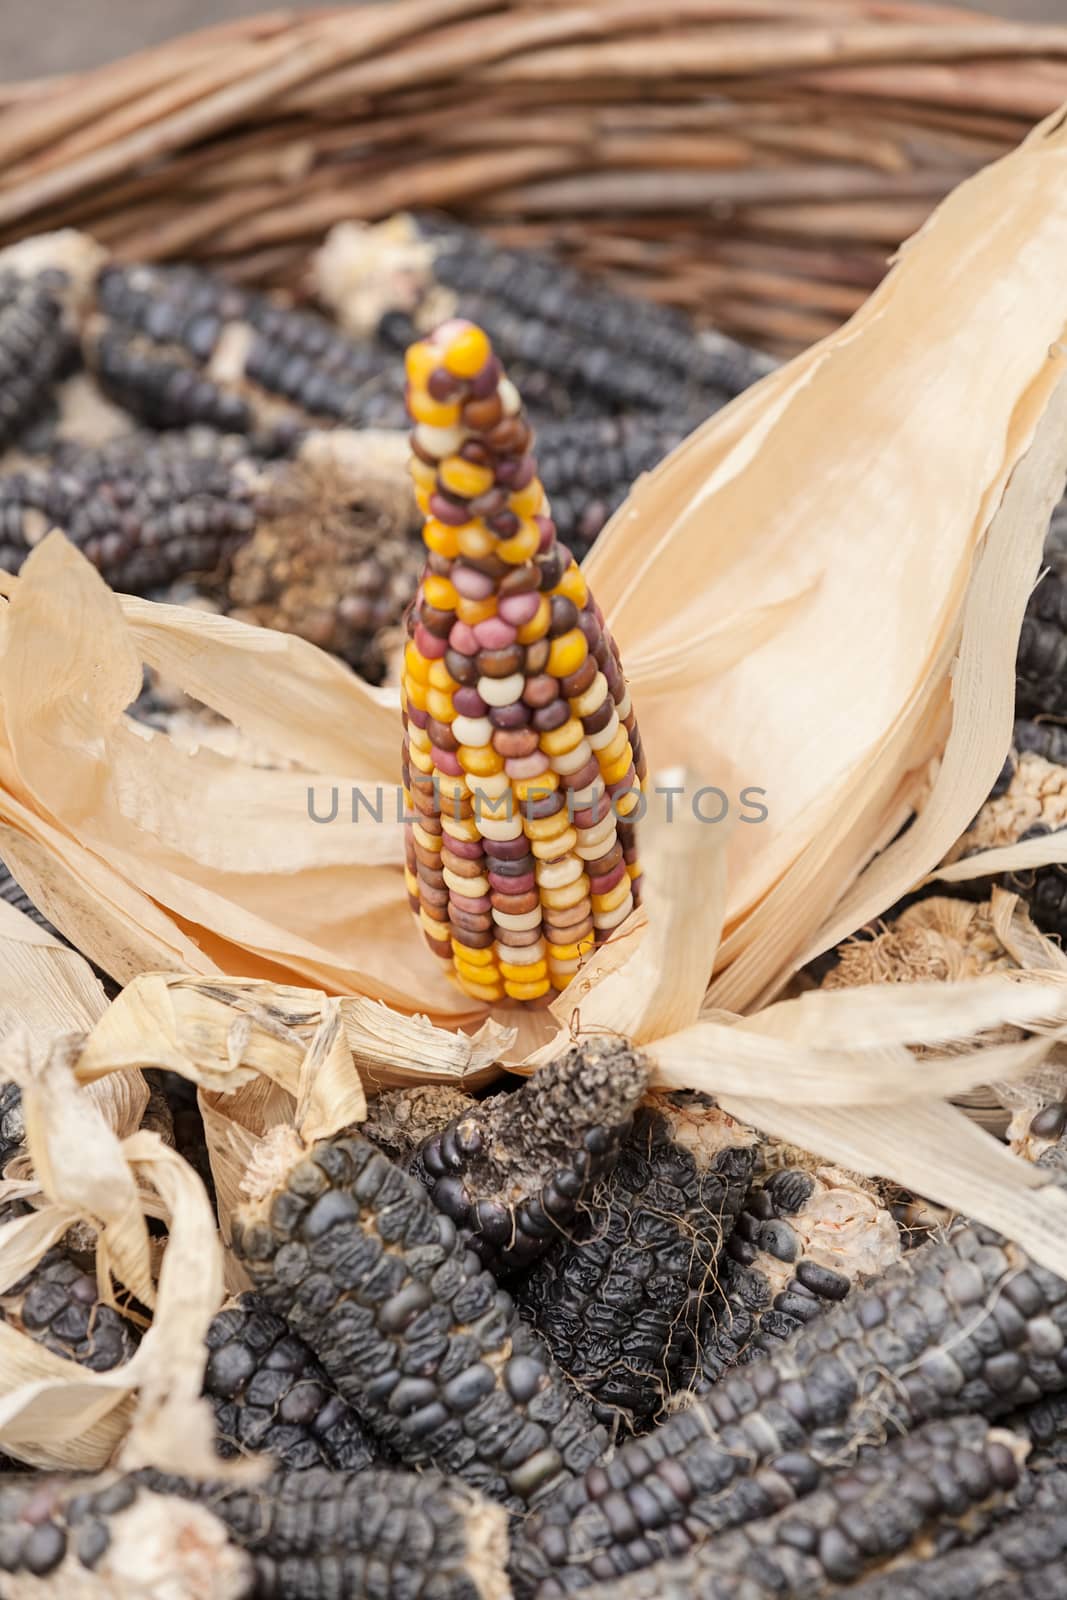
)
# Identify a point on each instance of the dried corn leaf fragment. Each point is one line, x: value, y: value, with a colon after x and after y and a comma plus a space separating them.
x: 113, y: 1538
x: 514, y: 1171
x: 947, y: 1479
x: 413, y: 1331
x: 968, y: 1325
x: 370, y: 1535
x: 619, y: 1299
x: 803, y: 1238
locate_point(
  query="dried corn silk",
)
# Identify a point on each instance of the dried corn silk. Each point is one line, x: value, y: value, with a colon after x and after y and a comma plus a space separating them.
x: 801, y: 1241
x: 522, y: 758
x: 114, y: 1539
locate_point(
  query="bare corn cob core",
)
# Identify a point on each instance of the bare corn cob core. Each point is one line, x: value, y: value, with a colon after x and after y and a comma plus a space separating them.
x: 83, y: 1538
x: 371, y: 1535
x: 522, y: 758
x: 802, y: 1240
x: 413, y: 1331
x: 948, y: 1479
x: 968, y: 1325
x: 270, y: 1395
x: 618, y: 1299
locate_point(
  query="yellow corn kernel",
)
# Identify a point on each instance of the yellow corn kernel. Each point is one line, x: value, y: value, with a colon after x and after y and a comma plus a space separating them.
x: 573, y: 585
x: 411, y: 882
x: 570, y: 952
x: 469, y: 974
x: 418, y: 738
x: 566, y: 654
x: 489, y: 993
x: 557, y: 741
x: 474, y: 611
x: 436, y: 930
x: 613, y: 897
x: 538, y: 624
x: 416, y: 693
x: 522, y: 546
x: 439, y: 705
x: 475, y: 540
x: 420, y: 360
x: 423, y: 476
x: 634, y: 869
x: 441, y: 678
x: 537, y: 788
x: 623, y: 804
x: 547, y: 827
x: 527, y: 502
x: 434, y: 413
x: 415, y: 663
x: 617, y: 769
x: 560, y: 980
x: 440, y: 538
x: 422, y: 500
x: 429, y: 841
x: 527, y: 991
x: 439, y: 592
x: 460, y: 827
x: 549, y: 849
x: 473, y: 958
x: 530, y: 974
x: 568, y: 895
x: 618, y: 746
x: 467, y: 353
x: 421, y: 760
x: 464, y: 478
x: 480, y: 760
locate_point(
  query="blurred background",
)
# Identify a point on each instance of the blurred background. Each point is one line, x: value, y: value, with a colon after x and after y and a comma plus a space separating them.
x: 83, y: 33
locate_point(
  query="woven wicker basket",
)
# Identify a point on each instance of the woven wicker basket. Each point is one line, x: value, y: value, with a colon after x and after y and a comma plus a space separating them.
x: 754, y: 160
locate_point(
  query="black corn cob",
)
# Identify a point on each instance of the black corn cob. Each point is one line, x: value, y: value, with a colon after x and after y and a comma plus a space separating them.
x: 190, y: 1139
x: 270, y: 1395
x: 36, y: 346
x: 1041, y: 663
x: 370, y: 1535
x: 413, y: 1331
x: 943, y: 1483
x: 967, y: 1325
x: 801, y: 1241
x: 513, y: 1171
x: 399, y: 1121
x: 1045, y: 1425
x: 57, y: 1305
x: 12, y: 1123
x: 113, y: 1538
x: 145, y: 509
x: 1047, y: 739
x: 619, y: 1300
x: 1022, y: 1558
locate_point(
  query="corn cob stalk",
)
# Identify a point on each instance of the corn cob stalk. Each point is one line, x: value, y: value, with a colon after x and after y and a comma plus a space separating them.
x: 370, y: 1535
x: 968, y: 1325
x: 399, y: 1121
x: 619, y: 1299
x: 801, y: 1242
x: 415, y: 1334
x: 113, y: 1539
x: 522, y: 758
x: 1022, y: 1558
x: 948, y: 1479
x: 271, y: 1395
x: 513, y: 1171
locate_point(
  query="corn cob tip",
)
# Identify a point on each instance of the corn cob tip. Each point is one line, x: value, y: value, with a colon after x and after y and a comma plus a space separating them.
x: 522, y: 760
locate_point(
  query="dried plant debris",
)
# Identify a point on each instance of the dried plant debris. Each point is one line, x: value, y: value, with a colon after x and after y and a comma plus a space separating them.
x: 371, y: 1535
x: 177, y: 345
x: 270, y: 1395
x: 16, y: 896
x: 619, y: 1301
x: 513, y: 1171
x: 942, y: 1484
x: 58, y: 1305
x: 145, y: 509
x: 968, y: 1325
x: 332, y: 559
x: 1022, y: 1558
x: 114, y: 1539
x: 399, y: 1121
x: 803, y: 1238
x: 935, y: 940
x: 413, y: 1331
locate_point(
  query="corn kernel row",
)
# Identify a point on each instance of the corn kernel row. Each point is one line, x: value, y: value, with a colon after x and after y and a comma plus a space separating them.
x: 522, y: 759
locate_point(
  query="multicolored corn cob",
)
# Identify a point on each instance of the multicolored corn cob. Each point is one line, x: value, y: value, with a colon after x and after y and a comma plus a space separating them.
x: 970, y: 1325
x: 369, y: 1535
x: 801, y: 1242
x: 112, y: 1539
x: 948, y: 1481
x: 522, y: 758
x: 619, y: 1299
x: 513, y: 1171
x: 415, y: 1334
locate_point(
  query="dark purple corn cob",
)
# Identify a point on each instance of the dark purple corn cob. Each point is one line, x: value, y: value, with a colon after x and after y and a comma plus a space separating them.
x: 941, y: 1485
x: 36, y: 346
x: 619, y: 1300
x: 513, y: 1171
x: 413, y: 1331
x: 968, y: 1325
x: 270, y: 1395
x: 1041, y: 664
